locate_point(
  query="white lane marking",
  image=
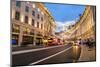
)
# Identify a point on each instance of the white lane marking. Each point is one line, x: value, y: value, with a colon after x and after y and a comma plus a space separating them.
x: 50, y: 56
x: 32, y: 50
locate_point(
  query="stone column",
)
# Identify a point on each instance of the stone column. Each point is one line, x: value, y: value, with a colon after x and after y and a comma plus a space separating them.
x: 34, y: 38
x: 20, y: 36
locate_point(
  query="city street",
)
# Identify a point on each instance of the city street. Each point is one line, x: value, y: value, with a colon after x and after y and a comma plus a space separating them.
x: 52, y: 54
x: 45, y: 34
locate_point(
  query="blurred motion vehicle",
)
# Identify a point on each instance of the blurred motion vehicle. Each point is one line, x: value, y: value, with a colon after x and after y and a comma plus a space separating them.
x: 54, y: 41
x: 60, y: 42
x: 70, y: 42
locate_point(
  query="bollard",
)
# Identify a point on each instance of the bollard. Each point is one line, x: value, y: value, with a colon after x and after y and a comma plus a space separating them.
x: 76, y: 52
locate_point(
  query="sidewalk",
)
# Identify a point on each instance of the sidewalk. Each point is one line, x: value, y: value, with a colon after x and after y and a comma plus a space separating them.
x: 87, y: 54
x: 18, y: 48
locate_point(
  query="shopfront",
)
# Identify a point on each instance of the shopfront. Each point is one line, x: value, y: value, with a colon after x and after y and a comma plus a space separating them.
x: 27, y: 40
x: 39, y: 40
x: 15, y: 34
x: 15, y: 39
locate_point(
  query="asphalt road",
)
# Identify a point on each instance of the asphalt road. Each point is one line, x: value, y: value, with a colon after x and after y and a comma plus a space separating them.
x: 47, y: 55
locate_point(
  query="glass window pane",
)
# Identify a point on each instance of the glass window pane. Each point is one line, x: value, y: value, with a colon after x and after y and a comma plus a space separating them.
x: 17, y: 15
x: 27, y: 9
x: 32, y: 22
x: 33, y: 13
x: 18, y: 3
x: 26, y: 19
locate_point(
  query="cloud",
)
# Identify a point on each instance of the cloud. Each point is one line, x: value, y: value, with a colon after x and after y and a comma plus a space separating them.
x: 60, y: 25
x: 66, y: 23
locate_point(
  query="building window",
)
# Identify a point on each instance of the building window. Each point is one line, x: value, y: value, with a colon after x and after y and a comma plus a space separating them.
x: 15, y: 28
x: 32, y: 32
x: 41, y: 18
x: 17, y: 15
x: 33, y: 5
x: 38, y: 16
x: 26, y: 19
x: 41, y: 26
x: 26, y: 31
x: 37, y: 24
x: 18, y: 3
x: 33, y: 13
x: 32, y: 22
x: 27, y: 9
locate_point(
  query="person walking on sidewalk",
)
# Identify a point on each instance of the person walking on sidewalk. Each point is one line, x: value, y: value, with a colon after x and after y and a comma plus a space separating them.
x: 79, y: 41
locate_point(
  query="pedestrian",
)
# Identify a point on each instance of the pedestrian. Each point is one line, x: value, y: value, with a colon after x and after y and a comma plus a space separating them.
x: 79, y: 41
x: 89, y: 43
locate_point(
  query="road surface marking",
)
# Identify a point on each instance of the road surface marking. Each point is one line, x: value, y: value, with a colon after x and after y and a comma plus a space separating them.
x: 33, y: 50
x: 50, y: 56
